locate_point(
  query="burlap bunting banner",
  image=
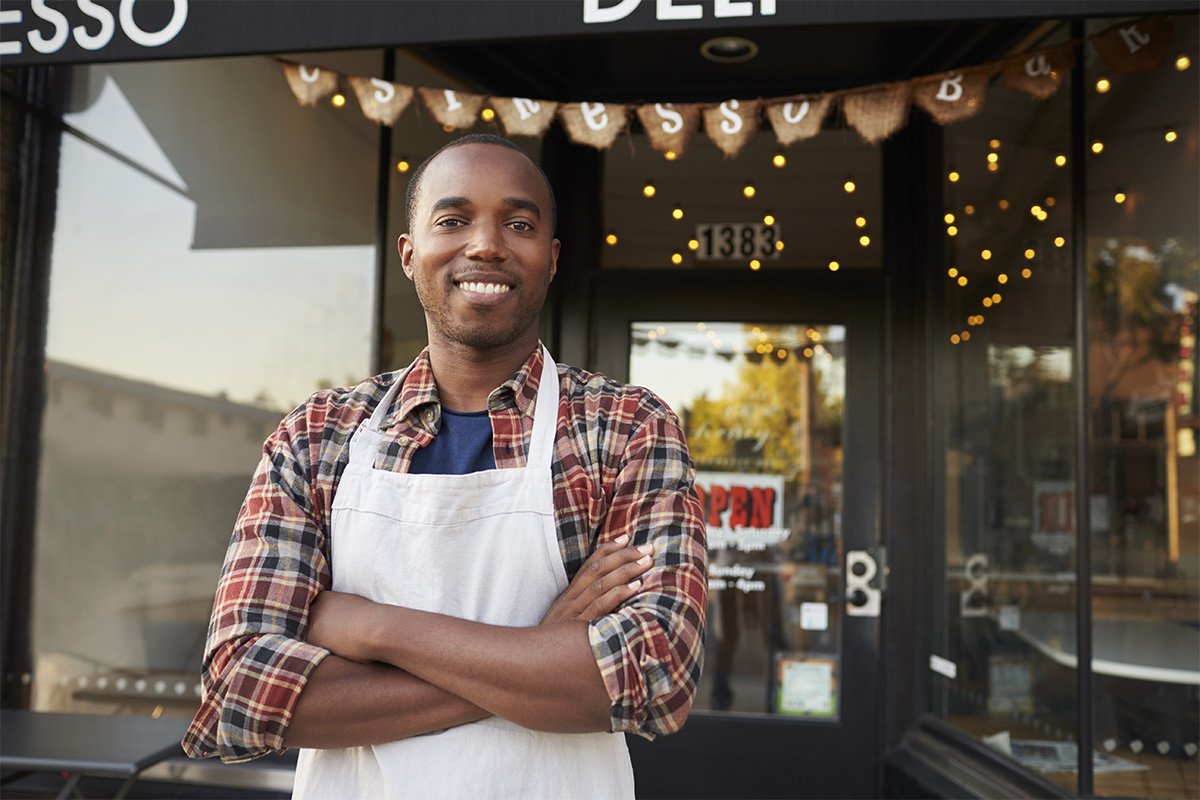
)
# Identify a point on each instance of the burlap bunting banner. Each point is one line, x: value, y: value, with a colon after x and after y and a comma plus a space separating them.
x: 595, y: 124
x: 1039, y: 74
x: 453, y: 109
x: 877, y: 113
x: 953, y: 96
x: 381, y: 101
x: 799, y: 118
x: 1134, y: 46
x: 669, y: 126
x: 522, y: 116
x: 309, y: 84
x: 731, y: 125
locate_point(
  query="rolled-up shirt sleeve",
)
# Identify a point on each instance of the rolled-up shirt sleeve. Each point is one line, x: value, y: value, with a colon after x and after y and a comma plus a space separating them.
x: 651, y: 650
x: 255, y: 660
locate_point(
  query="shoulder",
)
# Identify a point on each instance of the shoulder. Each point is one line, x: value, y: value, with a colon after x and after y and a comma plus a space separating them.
x: 602, y: 401
x: 330, y: 416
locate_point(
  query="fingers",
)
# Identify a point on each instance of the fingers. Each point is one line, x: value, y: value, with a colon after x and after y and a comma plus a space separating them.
x: 610, y: 600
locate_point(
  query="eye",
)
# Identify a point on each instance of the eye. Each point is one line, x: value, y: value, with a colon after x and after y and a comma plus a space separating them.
x: 450, y: 222
x: 521, y: 225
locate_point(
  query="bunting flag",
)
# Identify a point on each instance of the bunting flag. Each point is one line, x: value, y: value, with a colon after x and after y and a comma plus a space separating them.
x: 1039, y: 74
x: 595, y: 124
x: 799, y: 118
x: 953, y: 96
x: 877, y: 113
x: 669, y: 126
x: 452, y: 108
x: 1134, y: 46
x: 310, y: 84
x: 731, y: 125
x: 522, y: 116
x: 381, y: 101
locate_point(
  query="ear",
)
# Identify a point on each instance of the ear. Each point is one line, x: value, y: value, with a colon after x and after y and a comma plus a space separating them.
x: 555, y: 247
x: 405, y: 247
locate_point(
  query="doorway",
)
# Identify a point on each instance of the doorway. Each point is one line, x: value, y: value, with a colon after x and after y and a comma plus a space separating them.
x: 777, y: 387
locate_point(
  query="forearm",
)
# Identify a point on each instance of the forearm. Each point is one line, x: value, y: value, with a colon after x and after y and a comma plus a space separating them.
x: 543, y: 678
x: 348, y: 704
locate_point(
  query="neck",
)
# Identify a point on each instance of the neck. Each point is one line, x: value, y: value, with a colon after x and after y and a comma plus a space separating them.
x: 465, y: 376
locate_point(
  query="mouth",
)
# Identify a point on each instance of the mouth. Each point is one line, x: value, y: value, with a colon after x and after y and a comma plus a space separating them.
x: 483, y: 289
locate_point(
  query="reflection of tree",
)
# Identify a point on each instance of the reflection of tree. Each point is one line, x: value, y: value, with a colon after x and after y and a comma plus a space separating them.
x: 1131, y: 316
x: 760, y: 416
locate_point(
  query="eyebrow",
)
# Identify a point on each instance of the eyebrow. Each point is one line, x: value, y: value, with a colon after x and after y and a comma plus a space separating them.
x: 461, y: 202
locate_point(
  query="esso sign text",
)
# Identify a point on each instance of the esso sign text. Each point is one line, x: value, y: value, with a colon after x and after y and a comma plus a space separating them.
x: 95, y: 30
x: 675, y: 9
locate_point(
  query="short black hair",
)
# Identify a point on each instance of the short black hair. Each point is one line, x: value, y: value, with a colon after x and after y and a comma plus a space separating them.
x: 414, y: 182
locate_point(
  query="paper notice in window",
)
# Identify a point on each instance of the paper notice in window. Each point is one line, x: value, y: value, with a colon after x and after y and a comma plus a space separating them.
x: 806, y: 687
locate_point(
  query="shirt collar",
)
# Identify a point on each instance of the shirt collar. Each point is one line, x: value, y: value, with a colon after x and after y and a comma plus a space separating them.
x: 418, y: 397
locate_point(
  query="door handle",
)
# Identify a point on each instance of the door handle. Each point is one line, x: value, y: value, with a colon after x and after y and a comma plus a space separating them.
x: 862, y: 570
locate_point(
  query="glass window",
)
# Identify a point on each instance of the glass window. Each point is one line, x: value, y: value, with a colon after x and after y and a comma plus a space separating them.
x: 1143, y: 239
x: 1004, y: 667
x: 814, y: 204
x: 761, y: 406
x: 212, y: 266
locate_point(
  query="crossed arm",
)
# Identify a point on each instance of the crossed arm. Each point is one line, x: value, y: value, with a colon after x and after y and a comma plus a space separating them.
x: 396, y: 672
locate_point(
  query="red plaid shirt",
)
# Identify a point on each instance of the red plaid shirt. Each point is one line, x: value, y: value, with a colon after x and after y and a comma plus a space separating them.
x: 621, y: 466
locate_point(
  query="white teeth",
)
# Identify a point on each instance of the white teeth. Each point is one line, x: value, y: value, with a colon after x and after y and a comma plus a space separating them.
x: 484, y: 288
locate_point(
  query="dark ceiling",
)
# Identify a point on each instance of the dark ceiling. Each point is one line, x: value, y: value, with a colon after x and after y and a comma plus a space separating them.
x: 643, y: 67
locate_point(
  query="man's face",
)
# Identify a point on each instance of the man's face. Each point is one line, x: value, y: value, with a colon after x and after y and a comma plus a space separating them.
x: 481, y: 251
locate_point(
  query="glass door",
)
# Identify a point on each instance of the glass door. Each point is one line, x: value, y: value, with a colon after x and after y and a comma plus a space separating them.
x: 780, y: 407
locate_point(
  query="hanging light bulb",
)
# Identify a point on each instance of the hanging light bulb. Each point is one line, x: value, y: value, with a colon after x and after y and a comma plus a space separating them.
x: 985, y: 254
x: 962, y: 280
x: 849, y: 186
x: 1170, y: 135
x: 1119, y: 197
x: 864, y: 240
x: 1103, y: 85
x: 834, y: 266
x: 677, y: 213
x: 1097, y: 147
x: 952, y: 230
x: 1182, y: 62
x: 1003, y: 204
x: 993, y: 158
x: 952, y: 272
x: 611, y: 239
x: 755, y: 264
x: 1030, y: 254
x: 670, y: 155
x: 954, y: 338
x: 748, y: 191
x: 860, y: 221
x: 779, y: 160
x: 987, y: 302
x: 403, y: 166
x: 966, y: 335
x: 768, y: 219
x: 779, y: 245
x: 693, y: 245
x: 487, y: 114
x: 1027, y: 273
x: 648, y: 190
x: 677, y: 258
x: 1060, y: 160
x: 953, y: 176
x: 949, y: 218
x: 338, y: 100
x: 994, y: 144
x: 1002, y: 279
x: 969, y: 210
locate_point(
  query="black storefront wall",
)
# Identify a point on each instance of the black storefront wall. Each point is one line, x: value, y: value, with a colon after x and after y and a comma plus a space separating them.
x: 925, y: 757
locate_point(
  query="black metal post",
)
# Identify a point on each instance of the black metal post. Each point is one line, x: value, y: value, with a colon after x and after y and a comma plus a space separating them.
x: 1083, y: 525
x: 382, y: 241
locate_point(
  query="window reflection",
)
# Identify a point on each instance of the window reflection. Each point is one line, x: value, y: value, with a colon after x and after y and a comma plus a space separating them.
x: 1143, y: 281
x: 212, y: 266
x: 762, y: 408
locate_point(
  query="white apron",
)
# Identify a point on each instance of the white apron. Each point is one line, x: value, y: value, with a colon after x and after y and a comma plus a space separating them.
x: 483, y: 547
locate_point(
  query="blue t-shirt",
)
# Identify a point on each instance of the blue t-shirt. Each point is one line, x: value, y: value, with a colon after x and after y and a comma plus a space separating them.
x: 463, y: 445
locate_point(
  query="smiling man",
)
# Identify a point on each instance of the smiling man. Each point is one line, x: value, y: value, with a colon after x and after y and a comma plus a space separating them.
x: 462, y: 579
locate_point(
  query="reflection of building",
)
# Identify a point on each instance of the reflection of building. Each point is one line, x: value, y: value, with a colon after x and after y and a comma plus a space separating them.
x: 150, y: 526
x: 962, y: 459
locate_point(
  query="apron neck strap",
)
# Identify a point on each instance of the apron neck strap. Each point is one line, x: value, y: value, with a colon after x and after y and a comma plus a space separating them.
x: 545, y: 414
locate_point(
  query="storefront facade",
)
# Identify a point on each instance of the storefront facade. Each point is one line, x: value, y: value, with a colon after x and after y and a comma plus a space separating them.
x: 911, y: 371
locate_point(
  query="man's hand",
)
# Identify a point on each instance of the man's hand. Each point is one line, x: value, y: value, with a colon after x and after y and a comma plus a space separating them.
x: 339, y: 622
x: 608, y: 578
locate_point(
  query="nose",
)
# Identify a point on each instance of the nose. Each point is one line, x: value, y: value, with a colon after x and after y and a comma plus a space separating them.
x: 487, y: 242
